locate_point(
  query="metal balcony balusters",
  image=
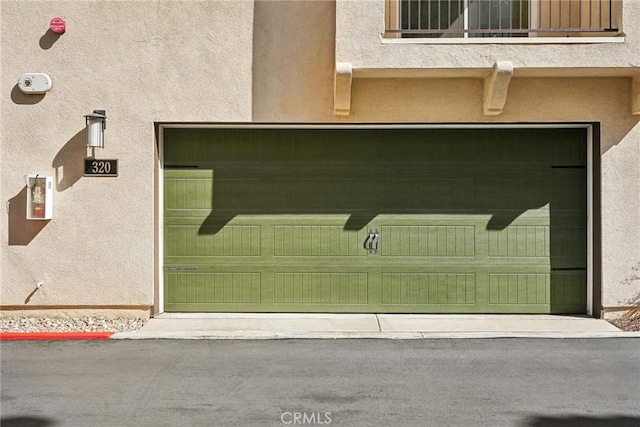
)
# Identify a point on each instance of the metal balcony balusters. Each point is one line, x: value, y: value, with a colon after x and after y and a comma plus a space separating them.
x: 505, y: 18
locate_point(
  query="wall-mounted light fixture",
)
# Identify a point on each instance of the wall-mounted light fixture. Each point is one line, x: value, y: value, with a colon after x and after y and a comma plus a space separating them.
x: 96, y: 124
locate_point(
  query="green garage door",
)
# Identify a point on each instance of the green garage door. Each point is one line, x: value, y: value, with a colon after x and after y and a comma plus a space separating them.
x: 375, y: 220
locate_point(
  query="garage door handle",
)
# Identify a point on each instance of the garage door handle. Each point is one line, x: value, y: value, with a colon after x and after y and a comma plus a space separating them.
x: 372, y: 241
x: 373, y: 246
x: 368, y: 242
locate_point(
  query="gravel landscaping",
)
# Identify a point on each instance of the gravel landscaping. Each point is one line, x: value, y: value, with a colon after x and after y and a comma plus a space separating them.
x: 629, y: 324
x: 73, y: 324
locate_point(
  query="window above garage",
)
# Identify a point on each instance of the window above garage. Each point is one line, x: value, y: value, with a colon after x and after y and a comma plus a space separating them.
x: 502, y: 18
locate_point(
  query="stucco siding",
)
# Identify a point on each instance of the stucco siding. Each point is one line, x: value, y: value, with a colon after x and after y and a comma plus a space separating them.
x: 621, y: 221
x: 142, y: 62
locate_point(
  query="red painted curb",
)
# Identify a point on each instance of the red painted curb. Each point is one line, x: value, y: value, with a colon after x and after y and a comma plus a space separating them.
x: 13, y: 336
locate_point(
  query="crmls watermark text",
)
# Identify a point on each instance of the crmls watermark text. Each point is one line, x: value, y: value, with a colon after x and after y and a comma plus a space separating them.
x: 305, y: 417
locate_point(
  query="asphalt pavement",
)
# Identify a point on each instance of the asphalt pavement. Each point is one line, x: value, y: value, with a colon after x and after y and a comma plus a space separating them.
x: 364, y: 382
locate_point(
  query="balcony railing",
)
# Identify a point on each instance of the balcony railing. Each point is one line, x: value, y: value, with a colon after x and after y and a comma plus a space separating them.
x: 502, y: 18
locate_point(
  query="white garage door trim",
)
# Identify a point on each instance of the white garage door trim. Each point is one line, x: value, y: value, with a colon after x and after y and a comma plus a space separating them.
x: 159, y: 286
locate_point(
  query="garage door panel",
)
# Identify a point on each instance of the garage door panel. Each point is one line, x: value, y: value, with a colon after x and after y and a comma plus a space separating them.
x: 473, y: 220
x: 235, y: 145
x: 327, y: 288
x: 189, y: 241
x: 568, y: 291
x: 568, y: 190
x: 317, y: 241
x: 519, y: 241
x: 557, y: 292
x: 428, y: 288
x: 187, y: 191
x: 567, y: 248
x: 213, y: 287
x: 305, y: 195
x: 427, y: 241
x: 519, y: 289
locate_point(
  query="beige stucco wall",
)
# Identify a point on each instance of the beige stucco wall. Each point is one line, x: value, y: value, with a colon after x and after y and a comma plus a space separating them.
x: 205, y: 62
x: 293, y: 61
x: 142, y: 62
